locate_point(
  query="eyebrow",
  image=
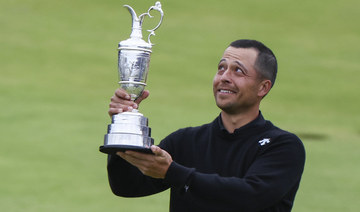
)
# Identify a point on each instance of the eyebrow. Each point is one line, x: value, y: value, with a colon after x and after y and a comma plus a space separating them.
x: 238, y: 63
x: 221, y: 61
x: 242, y: 66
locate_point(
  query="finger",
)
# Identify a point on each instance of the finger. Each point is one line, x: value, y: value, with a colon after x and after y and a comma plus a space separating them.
x: 113, y: 111
x: 122, y: 94
x: 115, y: 108
x: 129, y: 158
x: 139, y: 155
x: 121, y: 154
x: 140, y: 163
x: 125, y: 106
x: 117, y: 99
x: 121, y: 102
x: 157, y: 150
x: 143, y: 96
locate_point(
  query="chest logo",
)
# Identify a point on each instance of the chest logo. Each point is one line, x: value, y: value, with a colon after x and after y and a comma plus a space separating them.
x: 264, y: 141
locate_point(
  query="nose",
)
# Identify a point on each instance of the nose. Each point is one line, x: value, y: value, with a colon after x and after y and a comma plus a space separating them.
x: 226, y: 76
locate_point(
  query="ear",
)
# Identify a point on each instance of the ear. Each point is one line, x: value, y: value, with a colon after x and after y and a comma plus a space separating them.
x: 264, y: 87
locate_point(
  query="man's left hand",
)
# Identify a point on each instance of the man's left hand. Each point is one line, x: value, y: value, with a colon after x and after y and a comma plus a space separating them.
x: 153, y: 165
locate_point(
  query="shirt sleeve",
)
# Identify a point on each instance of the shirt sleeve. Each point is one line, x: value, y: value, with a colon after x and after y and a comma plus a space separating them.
x: 127, y: 181
x: 275, y: 172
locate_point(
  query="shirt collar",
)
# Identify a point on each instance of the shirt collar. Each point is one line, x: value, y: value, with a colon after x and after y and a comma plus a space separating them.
x: 258, y: 122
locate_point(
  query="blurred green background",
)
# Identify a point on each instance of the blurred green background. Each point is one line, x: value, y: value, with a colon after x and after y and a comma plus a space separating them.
x: 58, y: 70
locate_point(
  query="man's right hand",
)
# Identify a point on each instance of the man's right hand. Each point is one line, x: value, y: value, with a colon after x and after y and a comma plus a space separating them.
x: 121, y: 102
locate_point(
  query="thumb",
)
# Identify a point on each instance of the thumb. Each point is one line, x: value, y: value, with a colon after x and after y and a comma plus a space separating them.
x: 143, y: 96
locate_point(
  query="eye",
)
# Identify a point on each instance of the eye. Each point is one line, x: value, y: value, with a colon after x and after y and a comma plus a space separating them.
x: 221, y: 68
x: 238, y: 70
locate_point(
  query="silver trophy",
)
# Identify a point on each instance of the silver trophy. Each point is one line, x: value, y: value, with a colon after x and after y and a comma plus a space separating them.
x: 129, y: 130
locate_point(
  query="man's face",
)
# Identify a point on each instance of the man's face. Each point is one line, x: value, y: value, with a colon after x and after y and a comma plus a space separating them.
x: 236, y: 84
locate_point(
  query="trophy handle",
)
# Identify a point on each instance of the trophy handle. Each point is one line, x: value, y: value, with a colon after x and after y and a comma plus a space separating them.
x: 157, y: 7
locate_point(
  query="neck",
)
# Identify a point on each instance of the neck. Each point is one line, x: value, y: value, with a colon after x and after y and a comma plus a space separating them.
x: 235, y: 121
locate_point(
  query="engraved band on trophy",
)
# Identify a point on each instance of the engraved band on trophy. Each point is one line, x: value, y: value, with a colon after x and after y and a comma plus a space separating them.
x: 129, y: 130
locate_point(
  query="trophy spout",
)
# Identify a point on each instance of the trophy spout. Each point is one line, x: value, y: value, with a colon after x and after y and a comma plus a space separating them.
x: 136, y: 23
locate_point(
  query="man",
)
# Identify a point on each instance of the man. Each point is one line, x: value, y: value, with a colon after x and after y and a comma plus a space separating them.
x: 238, y: 162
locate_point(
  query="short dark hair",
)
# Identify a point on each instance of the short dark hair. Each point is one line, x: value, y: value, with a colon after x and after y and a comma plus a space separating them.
x: 265, y: 64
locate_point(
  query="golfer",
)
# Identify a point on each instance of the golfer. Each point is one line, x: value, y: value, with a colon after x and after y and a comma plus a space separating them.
x: 238, y: 162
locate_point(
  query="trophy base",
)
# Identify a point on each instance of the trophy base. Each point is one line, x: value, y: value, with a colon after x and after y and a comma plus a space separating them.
x: 113, y: 149
x: 128, y: 131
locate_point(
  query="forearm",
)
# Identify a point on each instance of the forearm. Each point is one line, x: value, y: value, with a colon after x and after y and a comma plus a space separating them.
x: 126, y: 180
x: 220, y: 193
x: 271, y: 177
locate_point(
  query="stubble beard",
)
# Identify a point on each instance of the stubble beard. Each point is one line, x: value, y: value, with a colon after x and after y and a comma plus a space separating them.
x: 234, y: 107
x: 227, y: 107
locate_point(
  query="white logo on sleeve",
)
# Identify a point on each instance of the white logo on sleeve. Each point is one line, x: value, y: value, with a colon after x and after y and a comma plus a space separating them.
x: 264, y: 141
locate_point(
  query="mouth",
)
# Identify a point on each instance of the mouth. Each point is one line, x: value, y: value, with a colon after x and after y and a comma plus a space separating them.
x: 225, y: 91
